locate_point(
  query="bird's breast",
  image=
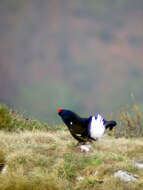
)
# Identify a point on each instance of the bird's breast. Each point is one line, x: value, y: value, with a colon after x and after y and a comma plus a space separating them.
x: 97, y: 129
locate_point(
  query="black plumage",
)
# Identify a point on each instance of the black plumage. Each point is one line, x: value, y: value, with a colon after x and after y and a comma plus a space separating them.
x: 85, y: 129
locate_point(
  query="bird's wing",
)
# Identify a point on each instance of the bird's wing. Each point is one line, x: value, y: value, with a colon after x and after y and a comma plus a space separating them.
x: 79, y: 137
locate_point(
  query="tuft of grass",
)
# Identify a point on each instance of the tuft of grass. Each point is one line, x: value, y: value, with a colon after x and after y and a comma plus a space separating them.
x: 5, y: 118
x: 130, y: 122
x: 12, y: 121
x: 19, y: 181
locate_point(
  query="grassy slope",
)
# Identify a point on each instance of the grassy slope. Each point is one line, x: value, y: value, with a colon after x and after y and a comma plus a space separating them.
x: 50, y: 160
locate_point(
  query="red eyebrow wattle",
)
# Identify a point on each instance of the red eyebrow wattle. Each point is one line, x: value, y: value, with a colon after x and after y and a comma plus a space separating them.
x: 59, y: 110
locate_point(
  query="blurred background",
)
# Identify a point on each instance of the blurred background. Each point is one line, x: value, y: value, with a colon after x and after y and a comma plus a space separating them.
x: 82, y: 55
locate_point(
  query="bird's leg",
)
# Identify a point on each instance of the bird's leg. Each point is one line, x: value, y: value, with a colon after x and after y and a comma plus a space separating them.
x: 80, y: 143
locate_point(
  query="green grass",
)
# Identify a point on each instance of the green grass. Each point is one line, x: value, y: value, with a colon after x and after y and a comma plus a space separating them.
x: 44, y: 160
x: 13, y: 121
x: 39, y: 157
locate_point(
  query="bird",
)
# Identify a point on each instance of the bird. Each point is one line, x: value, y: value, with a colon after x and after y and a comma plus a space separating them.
x: 85, y: 129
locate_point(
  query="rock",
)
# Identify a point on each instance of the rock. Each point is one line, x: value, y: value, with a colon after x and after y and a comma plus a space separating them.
x: 125, y: 176
x: 80, y: 178
x: 4, y: 170
x: 86, y: 148
x: 138, y: 165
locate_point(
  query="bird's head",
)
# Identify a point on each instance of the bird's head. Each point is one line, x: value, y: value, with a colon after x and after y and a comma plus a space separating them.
x: 60, y: 110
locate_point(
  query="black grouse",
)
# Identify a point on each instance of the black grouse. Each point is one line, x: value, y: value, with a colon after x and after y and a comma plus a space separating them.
x: 85, y: 129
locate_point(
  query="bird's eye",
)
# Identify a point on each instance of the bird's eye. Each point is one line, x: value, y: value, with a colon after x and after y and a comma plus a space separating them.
x: 71, y: 123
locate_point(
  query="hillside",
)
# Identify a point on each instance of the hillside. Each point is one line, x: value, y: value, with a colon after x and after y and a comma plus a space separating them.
x: 50, y: 160
x: 36, y: 156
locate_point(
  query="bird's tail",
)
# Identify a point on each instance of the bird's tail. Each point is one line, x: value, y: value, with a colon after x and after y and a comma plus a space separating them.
x: 110, y: 124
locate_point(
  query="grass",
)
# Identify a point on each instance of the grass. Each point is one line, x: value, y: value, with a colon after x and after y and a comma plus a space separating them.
x: 13, y: 121
x: 130, y: 122
x: 35, y: 156
x: 39, y: 160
